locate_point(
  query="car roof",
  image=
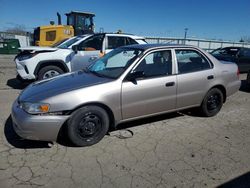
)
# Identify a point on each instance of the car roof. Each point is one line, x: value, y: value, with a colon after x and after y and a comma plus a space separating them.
x: 155, y: 46
x: 119, y: 34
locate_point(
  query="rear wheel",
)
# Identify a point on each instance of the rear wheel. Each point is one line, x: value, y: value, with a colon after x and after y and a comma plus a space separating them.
x: 88, y: 125
x: 212, y: 102
x: 48, y: 72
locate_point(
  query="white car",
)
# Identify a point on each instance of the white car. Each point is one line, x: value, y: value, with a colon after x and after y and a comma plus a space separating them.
x: 37, y: 63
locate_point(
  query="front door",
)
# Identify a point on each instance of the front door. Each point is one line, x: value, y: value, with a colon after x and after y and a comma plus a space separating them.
x: 89, y: 50
x: 154, y: 92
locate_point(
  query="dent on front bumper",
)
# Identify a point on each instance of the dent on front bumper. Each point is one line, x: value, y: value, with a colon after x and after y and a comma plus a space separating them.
x: 36, y: 127
x: 20, y: 67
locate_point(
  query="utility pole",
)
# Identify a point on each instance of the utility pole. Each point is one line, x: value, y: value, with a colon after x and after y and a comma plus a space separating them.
x: 185, y: 36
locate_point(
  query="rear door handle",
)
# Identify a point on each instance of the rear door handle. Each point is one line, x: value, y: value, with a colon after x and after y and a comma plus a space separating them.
x: 169, y: 84
x: 210, y: 77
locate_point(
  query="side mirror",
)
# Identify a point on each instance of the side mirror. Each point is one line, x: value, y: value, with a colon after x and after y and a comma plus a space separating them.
x: 75, y: 48
x: 134, y: 75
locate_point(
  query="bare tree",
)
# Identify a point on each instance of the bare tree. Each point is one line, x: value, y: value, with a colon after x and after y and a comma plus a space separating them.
x: 17, y: 29
x: 245, y: 39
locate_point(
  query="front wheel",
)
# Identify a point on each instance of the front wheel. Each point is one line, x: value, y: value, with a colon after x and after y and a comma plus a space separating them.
x: 88, y: 125
x: 49, y: 72
x: 212, y: 102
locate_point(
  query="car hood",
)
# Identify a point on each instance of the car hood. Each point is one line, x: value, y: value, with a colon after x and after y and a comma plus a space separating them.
x: 37, y: 49
x: 60, y: 84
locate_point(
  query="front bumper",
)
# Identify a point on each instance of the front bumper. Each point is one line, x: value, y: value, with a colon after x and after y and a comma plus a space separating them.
x: 24, y: 74
x: 36, y: 127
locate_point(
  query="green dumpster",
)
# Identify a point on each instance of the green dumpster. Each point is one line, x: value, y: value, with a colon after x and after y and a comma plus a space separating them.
x: 9, y: 46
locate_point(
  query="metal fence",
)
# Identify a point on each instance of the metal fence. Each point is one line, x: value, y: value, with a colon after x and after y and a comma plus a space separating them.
x: 207, y: 45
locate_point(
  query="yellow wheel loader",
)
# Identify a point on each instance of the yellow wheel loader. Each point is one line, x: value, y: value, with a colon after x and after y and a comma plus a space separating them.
x: 78, y: 23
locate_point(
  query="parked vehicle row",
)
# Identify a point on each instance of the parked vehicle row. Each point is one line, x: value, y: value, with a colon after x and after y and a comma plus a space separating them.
x: 37, y: 63
x: 128, y: 83
x: 239, y: 55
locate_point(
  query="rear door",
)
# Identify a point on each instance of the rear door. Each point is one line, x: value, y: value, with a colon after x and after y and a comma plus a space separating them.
x: 153, y: 93
x: 194, y: 77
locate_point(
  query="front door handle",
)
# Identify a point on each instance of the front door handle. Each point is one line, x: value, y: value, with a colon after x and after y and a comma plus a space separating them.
x: 169, y: 84
x: 210, y: 77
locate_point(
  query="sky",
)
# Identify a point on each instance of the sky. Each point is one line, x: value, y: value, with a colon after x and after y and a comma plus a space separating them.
x: 208, y: 19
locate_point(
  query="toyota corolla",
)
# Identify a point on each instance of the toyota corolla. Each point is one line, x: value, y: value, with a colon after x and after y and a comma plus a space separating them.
x: 126, y: 84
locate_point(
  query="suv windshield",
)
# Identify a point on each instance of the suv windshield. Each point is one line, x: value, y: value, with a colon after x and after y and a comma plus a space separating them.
x: 66, y: 44
x: 115, y: 63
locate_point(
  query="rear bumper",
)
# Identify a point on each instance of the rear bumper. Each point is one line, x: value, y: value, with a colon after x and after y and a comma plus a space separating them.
x: 36, y: 127
x: 233, y: 87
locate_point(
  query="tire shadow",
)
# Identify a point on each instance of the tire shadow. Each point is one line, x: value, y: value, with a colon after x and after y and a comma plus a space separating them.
x: 18, y: 142
x: 242, y: 181
x: 63, y: 139
x: 17, y: 84
x: 148, y: 120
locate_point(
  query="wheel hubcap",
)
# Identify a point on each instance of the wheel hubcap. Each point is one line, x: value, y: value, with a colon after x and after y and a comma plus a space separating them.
x: 213, y: 102
x: 50, y: 74
x: 89, y: 126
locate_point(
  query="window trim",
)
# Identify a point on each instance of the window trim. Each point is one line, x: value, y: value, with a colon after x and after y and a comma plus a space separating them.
x: 198, y: 51
x: 144, y: 56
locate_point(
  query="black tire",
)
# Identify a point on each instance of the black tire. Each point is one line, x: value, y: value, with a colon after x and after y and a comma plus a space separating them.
x: 212, y: 103
x: 88, y: 125
x: 51, y: 68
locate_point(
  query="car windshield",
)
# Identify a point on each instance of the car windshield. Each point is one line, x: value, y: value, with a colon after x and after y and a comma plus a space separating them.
x: 58, y: 43
x: 113, y: 64
x: 66, y: 44
x: 225, y: 51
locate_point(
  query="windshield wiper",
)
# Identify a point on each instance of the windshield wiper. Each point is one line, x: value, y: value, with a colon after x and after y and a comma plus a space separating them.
x: 85, y: 69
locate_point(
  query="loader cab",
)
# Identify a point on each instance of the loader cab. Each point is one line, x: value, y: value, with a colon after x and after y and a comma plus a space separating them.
x: 82, y: 22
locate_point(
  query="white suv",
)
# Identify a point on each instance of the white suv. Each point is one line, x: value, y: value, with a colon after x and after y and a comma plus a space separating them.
x: 37, y: 63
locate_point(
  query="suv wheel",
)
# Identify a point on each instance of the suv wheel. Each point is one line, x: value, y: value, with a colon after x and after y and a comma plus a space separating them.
x: 212, y: 103
x: 48, y: 72
x: 88, y: 125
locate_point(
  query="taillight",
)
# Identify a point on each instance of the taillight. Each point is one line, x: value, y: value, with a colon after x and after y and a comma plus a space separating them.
x: 238, y: 73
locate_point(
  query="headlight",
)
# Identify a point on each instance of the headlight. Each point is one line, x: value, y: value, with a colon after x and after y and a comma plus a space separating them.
x: 35, y: 108
x: 27, y: 56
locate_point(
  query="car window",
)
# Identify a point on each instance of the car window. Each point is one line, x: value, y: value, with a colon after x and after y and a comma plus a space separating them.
x: 130, y: 41
x: 219, y: 51
x: 114, y: 63
x: 245, y: 52
x: 67, y: 43
x: 156, y: 64
x: 191, y: 61
x: 226, y: 51
x: 115, y: 42
x: 92, y: 43
x: 232, y: 51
